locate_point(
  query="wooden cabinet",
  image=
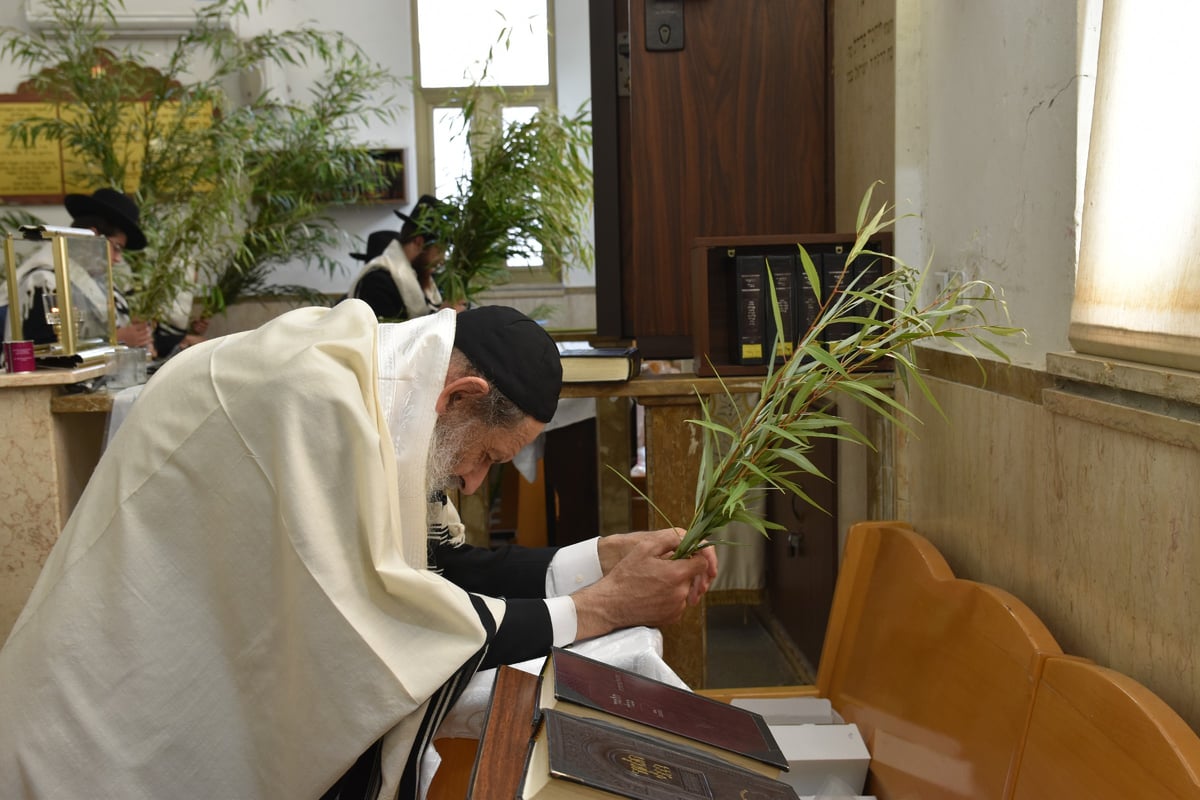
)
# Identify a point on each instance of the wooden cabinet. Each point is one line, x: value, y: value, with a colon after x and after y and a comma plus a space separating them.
x: 802, y: 559
x: 727, y: 136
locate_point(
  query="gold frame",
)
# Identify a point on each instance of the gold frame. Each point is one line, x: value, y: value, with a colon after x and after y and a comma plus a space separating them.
x: 59, y: 238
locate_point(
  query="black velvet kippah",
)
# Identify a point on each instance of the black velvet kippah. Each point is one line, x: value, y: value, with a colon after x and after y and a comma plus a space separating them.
x: 514, y: 353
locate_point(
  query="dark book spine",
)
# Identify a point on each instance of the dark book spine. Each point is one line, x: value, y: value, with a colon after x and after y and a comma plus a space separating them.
x: 783, y: 276
x: 838, y: 275
x: 750, y: 311
x: 808, y: 298
x: 835, y: 277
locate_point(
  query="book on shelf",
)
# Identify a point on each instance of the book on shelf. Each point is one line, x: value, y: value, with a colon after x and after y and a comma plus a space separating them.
x: 838, y: 276
x: 808, y: 297
x: 586, y: 687
x: 581, y: 757
x: 782, y: 268
x: 751, y: 308
x: 583, y: 363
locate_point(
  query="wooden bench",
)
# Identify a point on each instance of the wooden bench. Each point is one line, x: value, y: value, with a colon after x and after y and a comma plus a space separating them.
x: 961, y: 692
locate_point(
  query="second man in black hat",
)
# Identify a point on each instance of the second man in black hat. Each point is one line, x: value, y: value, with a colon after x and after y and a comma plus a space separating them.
x: 397, y: 281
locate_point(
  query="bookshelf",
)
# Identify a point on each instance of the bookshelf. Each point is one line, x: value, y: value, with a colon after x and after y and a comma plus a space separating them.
x: 712, y: 289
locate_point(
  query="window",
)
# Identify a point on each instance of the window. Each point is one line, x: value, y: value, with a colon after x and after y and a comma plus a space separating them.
x: 1137, y: 291
x: 508, y: 45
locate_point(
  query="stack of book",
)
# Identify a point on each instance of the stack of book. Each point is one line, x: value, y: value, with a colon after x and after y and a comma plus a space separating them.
x: 601, y: 731
x: 604, y: 731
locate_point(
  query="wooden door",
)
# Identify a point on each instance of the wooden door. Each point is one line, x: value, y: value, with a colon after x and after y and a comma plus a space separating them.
x: 727, y: 136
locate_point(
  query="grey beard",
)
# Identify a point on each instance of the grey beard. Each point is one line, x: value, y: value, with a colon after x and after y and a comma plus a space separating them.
x: 445, y: 449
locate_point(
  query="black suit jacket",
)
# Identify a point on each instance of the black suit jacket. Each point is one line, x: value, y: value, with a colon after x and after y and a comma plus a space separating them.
x: 516, y: 574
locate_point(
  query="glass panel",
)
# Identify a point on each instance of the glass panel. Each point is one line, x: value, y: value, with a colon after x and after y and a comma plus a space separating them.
x: 451, y: 160
x: 456, y: 35
x: 47, y: 310
x: 511, y: 115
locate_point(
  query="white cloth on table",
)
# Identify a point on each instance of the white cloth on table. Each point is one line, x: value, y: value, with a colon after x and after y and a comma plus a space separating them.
x: 122, y: 402
x: 635, y: 649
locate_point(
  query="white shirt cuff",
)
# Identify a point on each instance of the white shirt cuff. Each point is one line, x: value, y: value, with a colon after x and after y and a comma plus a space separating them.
x: 563, y: 620
x: 572, y: 568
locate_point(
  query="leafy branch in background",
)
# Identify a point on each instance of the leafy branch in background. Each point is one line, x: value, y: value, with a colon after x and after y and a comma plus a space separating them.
x: 227, y: 191
x: 767, y: 450
x: 528, y: 194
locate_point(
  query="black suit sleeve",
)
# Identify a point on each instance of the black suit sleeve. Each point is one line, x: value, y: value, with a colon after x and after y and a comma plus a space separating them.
x: 525, y: 632
x: 507, y: 571
x: 517, y: 574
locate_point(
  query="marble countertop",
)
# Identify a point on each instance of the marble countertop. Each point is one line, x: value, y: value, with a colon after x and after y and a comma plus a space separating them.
x: 50, y: 377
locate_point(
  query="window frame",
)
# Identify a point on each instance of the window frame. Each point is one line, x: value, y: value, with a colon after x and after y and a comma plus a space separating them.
x: 426, y: 100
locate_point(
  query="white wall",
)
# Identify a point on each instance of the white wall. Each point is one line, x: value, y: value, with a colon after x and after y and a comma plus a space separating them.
x: 382, y: 28
x: 990, y: 104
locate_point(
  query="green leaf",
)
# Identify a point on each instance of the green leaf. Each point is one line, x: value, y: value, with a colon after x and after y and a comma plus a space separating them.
x: 769, y: 447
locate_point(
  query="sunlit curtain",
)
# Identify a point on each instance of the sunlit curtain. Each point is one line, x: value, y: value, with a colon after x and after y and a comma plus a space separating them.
x: 1137, y: 293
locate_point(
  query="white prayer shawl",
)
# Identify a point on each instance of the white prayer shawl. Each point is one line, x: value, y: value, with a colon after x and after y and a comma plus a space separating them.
x: 239, y: 606
x: 416, y: 299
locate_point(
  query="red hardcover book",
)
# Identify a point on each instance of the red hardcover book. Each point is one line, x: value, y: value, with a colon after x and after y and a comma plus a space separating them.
x: 585, y: 687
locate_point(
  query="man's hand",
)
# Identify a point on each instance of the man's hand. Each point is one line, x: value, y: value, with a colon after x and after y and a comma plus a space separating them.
x: 642, y: 584
x: 614, y: 547
x: 137, y: 333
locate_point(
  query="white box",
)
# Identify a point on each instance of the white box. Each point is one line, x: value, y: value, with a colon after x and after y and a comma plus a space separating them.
x: 821, y: 756
x: 790, y: 710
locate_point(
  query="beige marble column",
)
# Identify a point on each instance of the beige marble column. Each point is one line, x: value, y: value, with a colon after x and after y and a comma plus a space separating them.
x: 45, y: 463
x: 672, y: 463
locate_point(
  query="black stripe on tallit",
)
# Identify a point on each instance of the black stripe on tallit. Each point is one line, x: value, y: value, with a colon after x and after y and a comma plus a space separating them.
x: 440, y: 704
x: 363, y: 780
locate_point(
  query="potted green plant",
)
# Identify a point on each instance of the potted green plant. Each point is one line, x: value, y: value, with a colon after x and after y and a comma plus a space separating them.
x: 228, y: 190
x: 528, y: 194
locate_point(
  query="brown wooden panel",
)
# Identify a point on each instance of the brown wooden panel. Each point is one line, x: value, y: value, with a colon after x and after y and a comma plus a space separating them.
x: 802, y: 567
x: 1098, y: 734
x: 500, y: 762
x: 572, y: 484
x: 728, y: 137
x: 606, y: 162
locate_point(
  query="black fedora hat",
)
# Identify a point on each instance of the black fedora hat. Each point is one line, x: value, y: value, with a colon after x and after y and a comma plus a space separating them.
x: 377, y: 242
x: 116, y: 207
x: 417, y: 222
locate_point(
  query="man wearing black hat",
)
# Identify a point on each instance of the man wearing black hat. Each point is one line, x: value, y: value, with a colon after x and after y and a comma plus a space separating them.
x: 115, y: 216
x: 242, y: 603
x: 397, y: 281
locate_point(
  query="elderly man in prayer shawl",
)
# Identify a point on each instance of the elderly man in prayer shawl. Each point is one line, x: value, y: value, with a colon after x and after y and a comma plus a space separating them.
x: 241, y: 605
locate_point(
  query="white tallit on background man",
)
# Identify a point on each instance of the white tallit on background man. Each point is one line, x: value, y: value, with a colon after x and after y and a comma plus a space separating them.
x: 240, y: 605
